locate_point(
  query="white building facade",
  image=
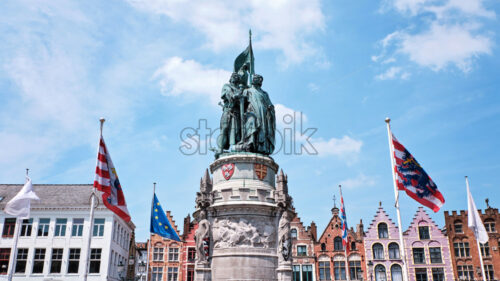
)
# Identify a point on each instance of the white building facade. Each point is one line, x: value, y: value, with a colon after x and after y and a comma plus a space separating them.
x: 52, y: 244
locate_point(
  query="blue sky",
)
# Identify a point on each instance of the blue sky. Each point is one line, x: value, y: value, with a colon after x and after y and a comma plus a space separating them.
x: 153, y: 68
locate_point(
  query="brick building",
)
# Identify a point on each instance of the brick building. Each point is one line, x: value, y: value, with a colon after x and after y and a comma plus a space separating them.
x: 330, y: 255
x: 465, y: 257
x: 427, y: 250
x: 303, y: 254
x: 164, y: 256
x: 382, y: 248
x: 188, y: 255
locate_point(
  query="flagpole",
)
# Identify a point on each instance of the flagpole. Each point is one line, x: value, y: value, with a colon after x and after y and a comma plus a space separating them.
x: 92, y: 208
x: 396, y: 195
x: 149, y: 240
x: 347, y: 245
x: 475, y: 233
x: 13, y: 255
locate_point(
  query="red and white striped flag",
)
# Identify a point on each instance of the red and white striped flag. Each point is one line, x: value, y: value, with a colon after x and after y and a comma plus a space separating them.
x: 411, y: 178
x: 106, y: 180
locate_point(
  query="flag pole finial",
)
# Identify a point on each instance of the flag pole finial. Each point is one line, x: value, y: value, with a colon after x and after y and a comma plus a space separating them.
x: 154, y: 187
x: 102, y: 123
x: 387, y: 120
x: 27, y: 171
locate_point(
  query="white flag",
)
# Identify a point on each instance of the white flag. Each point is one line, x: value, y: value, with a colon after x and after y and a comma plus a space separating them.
x: 475, y: 222
x: 19, y: 206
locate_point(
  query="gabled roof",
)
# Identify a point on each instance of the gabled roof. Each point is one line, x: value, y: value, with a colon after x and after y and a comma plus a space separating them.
x: 421, y: 213
x: 381, y: 214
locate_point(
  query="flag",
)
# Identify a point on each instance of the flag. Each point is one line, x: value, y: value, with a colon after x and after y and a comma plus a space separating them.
x: 474, y: 220
x: 159, y: 222
x: 411, y: 178
x: 19, y: 206
x: 244, y: 62
x: 106, y: 181
x: 343, y: 224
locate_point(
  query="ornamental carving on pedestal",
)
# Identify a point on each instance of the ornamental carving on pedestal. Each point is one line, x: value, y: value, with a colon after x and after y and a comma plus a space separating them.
x: 234, y: 232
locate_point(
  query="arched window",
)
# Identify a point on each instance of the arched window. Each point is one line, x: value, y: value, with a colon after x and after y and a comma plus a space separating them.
x: 489, y: 224
x: 323, y: 247
x: 293, y: 233
x: 378, y: 251
x: 393, y: 251
x: 380, y: 273
x: 382, y: 230
x: 337, y: 244
x: 457, y: 225
x: 396, y: 273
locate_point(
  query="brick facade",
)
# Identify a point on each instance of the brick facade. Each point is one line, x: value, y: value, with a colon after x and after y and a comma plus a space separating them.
x: 466, y: 263
x: 303, y: 251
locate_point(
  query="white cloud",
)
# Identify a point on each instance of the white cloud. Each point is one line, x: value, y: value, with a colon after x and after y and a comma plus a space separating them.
x: 453, y: 37
x: 345, y: 147
x: 190, y: 79
x: 278, y: 25
x: 360, y: 181
x: 285, y: 116
x: 445, y: 45
x: 391, y: 73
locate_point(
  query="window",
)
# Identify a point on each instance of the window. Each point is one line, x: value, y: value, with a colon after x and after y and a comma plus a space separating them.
x: 324, y: 270
x: 191, y: 254
x: 458, y: 226
x: 190, y: 273
x: 307, y: 274
x: 73, y: 260
x: 26, y: 227
x: 301, y: 250
x: 353, y: 246
x: 8, y: 227
x: 394, y: 251
x: 38, y: 261
x: 380, y: 273
x: 485, y: 249
x: 438, y: 274
x: 60, y: 229
x: 323, y: 247
x: 489, y: 224
x: 4, y: 260
x: 461, y: 249
x: 337, y: 244
x: 158, y: 254
x: 293, y: 233
x: 378, y: 251
x: 435, y: 253
x: 421, y: 274
x: 339, y: 270
x: 95, y: 261
x: 172, y: 274
x: 77, y: 229
x: 21, y: 260
x: 56, y: 261
x: 488, y: 271
x: 396, y: 273
x: 157, y: 274
x: 465, y: 272
x: 43, y: 227
x: 355, y: 270
x: 418, y: 255
x: 382, y: 230
x: 173, y: 254
x: 423, y: 232
x: 296, y: 273
x: 98, y: 230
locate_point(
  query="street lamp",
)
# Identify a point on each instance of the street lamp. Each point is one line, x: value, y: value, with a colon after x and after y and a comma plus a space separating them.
x: 370, y: 269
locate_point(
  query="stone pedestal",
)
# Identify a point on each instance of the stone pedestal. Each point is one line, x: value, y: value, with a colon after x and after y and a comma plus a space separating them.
x: 285, y: 272
x: 244, y: 214
x: 203, y: 272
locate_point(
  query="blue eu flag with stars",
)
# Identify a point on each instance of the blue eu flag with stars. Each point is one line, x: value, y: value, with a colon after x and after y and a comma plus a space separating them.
x: 159, y: 222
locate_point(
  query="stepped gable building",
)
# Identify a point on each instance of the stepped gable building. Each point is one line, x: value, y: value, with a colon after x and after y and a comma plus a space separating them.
x: 465, y: 257
x: 330, y: 252
x: 188, y: 256
x: 303, y: 254
x: 383, y: 256
x: 52, y: 241
x: 427, y: 250
x: 164, y: 256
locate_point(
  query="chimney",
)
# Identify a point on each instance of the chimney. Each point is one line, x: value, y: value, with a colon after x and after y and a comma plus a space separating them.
x: 187, y: 224
x: 313, y: 230
x: 360, y: 229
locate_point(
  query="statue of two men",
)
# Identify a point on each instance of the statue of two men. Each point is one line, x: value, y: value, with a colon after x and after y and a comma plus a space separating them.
x: 248, y: 121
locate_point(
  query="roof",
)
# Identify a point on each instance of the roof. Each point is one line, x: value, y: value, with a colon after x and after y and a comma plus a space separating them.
x: 52, y: 195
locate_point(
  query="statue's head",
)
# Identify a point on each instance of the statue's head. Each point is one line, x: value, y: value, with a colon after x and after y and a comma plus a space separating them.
x: 235, y: 78
x: 257, y: 80
x: 202, y: 215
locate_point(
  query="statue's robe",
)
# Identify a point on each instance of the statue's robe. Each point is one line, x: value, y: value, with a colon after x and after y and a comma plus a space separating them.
x: 230, y: 121
x: 260, y: 122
